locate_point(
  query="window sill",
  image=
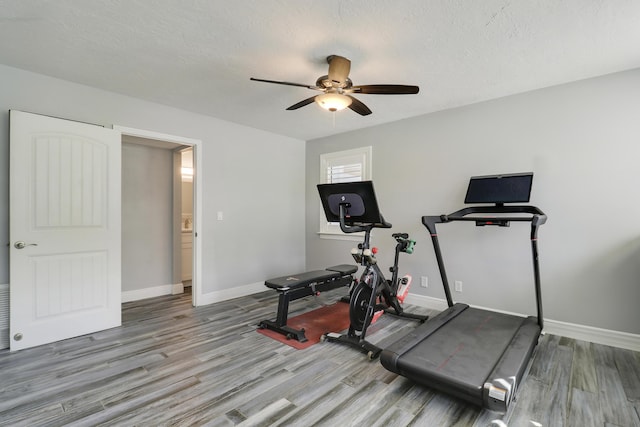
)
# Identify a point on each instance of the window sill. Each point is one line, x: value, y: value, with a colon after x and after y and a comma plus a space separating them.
x: 353, y: 237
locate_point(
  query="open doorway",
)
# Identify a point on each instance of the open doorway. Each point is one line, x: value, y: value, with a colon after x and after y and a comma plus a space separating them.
x: 175, y: 230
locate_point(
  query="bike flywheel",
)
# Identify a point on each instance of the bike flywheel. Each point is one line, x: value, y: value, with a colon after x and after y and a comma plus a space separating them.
x: 360, y: 298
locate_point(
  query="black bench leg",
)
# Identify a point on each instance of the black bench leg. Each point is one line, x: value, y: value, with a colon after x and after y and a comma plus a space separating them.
x: 283, y: 309
x: 290, y: 333
x: 280, y: 325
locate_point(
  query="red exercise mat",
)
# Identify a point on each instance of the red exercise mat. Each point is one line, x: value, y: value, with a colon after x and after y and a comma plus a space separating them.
x: 330, y: 318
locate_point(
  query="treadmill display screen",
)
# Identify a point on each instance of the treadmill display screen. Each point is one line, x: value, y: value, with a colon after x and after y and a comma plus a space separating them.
x: 511, y: 188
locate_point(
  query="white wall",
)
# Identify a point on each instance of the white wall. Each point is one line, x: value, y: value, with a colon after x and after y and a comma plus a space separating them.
x: 147, y: 217
x: 582, y: 141
x: 256, y: 178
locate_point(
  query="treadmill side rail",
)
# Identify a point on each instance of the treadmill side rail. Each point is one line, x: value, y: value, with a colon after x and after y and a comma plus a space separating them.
x: 502, y: 385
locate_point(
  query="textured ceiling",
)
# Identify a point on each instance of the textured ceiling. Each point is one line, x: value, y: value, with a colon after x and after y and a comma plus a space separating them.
x: 198, y: 55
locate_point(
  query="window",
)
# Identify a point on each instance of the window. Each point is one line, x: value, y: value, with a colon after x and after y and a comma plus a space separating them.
x: 342, y: 166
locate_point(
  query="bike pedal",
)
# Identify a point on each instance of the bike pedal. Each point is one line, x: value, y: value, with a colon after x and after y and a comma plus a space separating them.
x: 403, y: 289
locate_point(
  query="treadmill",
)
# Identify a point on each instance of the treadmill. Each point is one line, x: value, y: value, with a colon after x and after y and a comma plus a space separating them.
x: 476, y: 355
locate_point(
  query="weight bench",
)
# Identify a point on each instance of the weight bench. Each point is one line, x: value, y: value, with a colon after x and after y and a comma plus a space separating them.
x: 291, y: 288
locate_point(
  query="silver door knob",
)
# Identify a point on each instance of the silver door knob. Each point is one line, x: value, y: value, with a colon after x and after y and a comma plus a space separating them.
x: 22, y: 245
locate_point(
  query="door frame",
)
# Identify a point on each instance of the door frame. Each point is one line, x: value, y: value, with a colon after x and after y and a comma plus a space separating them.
x: 196, y: 144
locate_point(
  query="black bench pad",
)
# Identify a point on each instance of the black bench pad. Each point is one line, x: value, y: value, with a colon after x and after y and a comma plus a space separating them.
x: 302, y: 280
x: 343, y: 268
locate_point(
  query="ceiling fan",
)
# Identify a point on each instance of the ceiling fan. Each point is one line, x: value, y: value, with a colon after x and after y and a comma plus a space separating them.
x: 337, y: 88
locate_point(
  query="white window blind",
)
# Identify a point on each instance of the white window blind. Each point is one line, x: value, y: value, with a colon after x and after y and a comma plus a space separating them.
x: 344, y: 173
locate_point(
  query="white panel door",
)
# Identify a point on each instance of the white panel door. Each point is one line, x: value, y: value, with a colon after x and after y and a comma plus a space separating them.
x: 64, y: 223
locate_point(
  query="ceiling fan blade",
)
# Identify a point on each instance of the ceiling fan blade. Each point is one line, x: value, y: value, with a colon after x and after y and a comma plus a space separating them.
x: 339, y: 68
x: 302, y: 103
x: 285, y: 83
x: 386, y: 89
x: 359, y: 107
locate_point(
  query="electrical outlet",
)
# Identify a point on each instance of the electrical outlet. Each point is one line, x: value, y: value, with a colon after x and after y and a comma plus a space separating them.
x: 424, y: 281
x: 458, y: 285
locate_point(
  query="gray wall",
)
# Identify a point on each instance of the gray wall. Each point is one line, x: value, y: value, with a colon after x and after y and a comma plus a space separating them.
x: 147, y: 217
x: 256, y: 178
x: 582, y: 141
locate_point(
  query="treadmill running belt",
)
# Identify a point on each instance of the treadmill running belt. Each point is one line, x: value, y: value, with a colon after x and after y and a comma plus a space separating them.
x: 468, y: 351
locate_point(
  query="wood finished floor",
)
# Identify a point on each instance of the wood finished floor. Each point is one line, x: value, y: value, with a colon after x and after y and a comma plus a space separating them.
x: 172, y: 364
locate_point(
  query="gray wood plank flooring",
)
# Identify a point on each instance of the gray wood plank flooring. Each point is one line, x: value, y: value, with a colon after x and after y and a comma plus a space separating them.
x: 174, y: 365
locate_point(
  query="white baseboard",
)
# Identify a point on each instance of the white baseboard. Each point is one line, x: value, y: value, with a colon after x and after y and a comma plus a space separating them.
x: 428, y: 302
x: 4, y: 316
x: 155, y: 291
x: 227, y: 294
x: 592, y: 334
x: 178, y: 288
x: 555, y: 327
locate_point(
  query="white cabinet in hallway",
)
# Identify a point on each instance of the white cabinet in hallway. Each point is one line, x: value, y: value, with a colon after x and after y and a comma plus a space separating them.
x: 187, y: 254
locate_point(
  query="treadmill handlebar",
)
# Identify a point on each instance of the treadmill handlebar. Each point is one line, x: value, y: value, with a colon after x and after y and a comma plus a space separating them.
x: 537, y: 217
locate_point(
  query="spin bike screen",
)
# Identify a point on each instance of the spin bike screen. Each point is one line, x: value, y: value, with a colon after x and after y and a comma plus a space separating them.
x: 499, y: 189
x: 361, y: 199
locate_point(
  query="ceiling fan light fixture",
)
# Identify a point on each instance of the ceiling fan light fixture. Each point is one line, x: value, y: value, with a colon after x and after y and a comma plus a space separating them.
x: 333, y: 101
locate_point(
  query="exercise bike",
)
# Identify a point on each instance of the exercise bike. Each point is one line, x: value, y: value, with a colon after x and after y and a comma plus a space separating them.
x: 392, y: 293
x: 373, y: 294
